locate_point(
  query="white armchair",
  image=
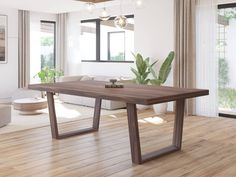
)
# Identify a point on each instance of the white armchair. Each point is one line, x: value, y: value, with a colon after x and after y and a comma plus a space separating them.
x: 5, y: 114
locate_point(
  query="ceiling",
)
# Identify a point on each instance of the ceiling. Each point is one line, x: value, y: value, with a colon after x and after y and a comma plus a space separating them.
x: 52, y: 6
x: 94, y: 1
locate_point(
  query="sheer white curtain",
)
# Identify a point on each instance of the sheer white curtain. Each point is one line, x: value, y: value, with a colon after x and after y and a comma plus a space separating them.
x: 207, y: 62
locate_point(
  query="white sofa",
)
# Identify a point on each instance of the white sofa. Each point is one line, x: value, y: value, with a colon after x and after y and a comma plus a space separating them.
x: 25, y: 93
x: 90, y: 102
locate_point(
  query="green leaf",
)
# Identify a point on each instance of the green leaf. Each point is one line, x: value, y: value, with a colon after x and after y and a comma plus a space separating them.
x: 166, y: 68
x: 151, y: 70
x: 145, y: 75
x: 154, y: 63
x: 135, y: 72
x: 142, y: 71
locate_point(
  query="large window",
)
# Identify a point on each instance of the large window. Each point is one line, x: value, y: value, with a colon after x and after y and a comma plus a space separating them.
x: 101, y: 41
x: 227, y: 59
x: 47, y: 44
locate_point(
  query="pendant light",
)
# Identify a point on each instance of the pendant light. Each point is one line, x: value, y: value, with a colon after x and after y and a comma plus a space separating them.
x: 120, y: 21
x: 104, y: 16
x: 139, y: 3
x: 90, y: 6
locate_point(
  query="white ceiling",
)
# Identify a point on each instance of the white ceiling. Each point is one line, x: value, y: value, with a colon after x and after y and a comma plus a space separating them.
x: 52, y: 6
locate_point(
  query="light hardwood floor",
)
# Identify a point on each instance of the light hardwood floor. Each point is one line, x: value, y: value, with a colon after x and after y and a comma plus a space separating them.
x: 209, y: 149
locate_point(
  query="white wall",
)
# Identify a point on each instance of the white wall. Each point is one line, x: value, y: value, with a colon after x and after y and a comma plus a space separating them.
x: 226, y: 1
x: 9, y: 71
x: 74, y: 65
x: 154, y: 30
x: 154, y: 37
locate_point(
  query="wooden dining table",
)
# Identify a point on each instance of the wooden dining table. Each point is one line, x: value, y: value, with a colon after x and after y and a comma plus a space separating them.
x: 131, y: 94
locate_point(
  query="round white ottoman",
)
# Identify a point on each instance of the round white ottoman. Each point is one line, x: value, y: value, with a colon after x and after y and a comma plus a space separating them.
x: 30, y: 106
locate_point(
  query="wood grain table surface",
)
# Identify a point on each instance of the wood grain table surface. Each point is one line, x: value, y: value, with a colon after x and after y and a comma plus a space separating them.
x: 131, y: 94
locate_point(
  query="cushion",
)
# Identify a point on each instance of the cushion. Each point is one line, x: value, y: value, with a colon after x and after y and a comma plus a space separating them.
x: 105, y: 78
x: 86, y: 78
x: 70, y: 78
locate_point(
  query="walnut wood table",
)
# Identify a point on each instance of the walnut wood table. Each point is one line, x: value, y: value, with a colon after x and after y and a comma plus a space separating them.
x: 132, y: 94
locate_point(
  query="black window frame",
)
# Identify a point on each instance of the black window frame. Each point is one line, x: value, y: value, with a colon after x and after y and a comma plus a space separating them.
x: 98, y: 41
x: 225, y: 6
x: 55, y: 38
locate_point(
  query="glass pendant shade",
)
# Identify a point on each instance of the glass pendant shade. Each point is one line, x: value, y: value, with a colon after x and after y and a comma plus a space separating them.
x: 120, y: 21
x: 139, y: 3
x: 104, y: 16
x: 90, y: 6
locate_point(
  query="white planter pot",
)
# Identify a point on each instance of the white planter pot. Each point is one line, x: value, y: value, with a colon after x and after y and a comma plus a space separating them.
x: 142, y: 107
x: 160, y: 108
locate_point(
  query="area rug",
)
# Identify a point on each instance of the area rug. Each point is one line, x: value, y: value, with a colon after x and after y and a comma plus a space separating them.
x: 65, y: 113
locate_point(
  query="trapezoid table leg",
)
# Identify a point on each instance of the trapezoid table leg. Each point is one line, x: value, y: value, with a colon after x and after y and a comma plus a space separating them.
x: 136, y: 154
x: 134, y: 134
x: 54, y: 125
x: 179, y: 122
x: 97, y: 113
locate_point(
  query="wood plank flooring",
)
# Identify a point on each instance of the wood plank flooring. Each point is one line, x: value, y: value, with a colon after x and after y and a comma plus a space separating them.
x: 209, y: 149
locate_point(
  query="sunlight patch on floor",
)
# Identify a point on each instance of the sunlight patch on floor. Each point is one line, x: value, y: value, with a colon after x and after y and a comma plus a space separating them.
x: 65, y: 112
x: 113, y: 116
x: 152, y: 120
x: 68, y: 113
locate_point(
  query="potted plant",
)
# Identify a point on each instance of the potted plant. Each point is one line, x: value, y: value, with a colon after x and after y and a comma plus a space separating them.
x: 142, y: 72
x: 160, y: 78
x: 48, y: 75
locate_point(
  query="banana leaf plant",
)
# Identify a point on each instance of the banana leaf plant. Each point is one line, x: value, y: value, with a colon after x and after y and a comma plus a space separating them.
x: 159, y: 79
x: 142, y: 70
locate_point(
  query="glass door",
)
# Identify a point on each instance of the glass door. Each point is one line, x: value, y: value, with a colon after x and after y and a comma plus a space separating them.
x: 226, y: 46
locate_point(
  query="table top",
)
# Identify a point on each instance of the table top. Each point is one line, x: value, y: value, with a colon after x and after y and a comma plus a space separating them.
x: 131, y: 93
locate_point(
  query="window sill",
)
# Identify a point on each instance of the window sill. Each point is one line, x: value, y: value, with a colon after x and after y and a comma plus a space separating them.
x: 94, y: 61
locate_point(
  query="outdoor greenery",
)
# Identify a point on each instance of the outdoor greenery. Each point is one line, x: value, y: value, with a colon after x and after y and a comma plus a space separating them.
x: 223, y: 73
x: 119, y: 57
x: 47, y: 41
x: 226, y: 95
x: 227, y: 98
x: 47, y: 60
